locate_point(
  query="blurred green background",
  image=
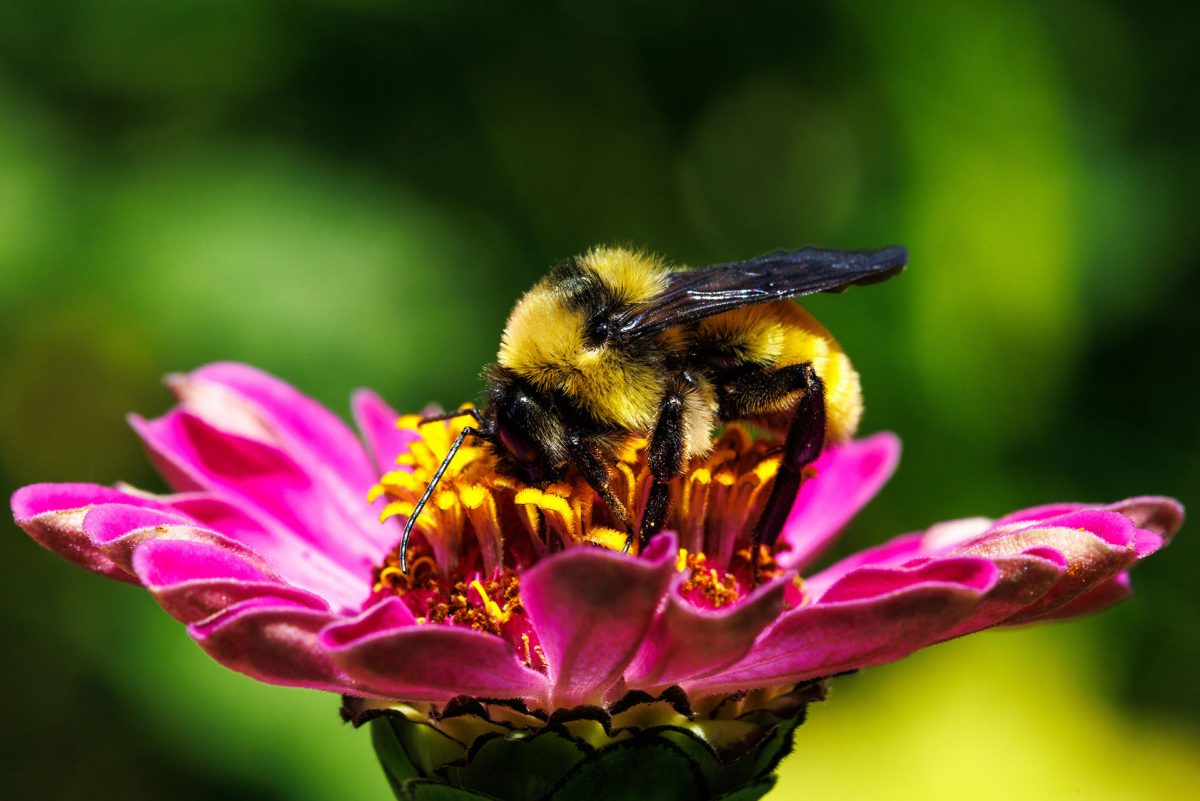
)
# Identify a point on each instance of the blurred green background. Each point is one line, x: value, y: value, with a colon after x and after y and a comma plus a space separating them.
x: 353, y: 193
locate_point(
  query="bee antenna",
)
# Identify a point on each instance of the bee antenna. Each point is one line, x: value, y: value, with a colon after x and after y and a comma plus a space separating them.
x: 467, y: 431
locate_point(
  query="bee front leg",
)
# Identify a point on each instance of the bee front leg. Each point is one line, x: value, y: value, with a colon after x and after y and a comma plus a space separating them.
x: 585, y: 459
x: 805, y: 438
x: 665, y: 460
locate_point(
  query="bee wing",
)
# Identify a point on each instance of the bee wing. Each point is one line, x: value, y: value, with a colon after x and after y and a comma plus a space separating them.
x: 695, y: 294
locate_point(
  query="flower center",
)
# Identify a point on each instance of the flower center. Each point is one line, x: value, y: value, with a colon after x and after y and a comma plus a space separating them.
x: 482, y: 528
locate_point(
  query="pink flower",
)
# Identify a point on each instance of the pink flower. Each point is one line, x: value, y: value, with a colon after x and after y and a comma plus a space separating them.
x: 271, y: 555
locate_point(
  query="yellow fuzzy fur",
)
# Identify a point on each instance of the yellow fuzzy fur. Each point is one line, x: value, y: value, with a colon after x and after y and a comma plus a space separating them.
x: 782, y: 333
x: 634, y: 277
x: 544, y: 342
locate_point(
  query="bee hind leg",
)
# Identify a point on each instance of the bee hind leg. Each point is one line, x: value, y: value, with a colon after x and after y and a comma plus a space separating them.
x: 805, y: 438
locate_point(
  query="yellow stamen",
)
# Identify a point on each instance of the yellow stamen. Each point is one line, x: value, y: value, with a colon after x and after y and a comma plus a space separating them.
x: 528, y: 495
x: 400, y: 479
x: 473, y: 496
x: 630, y: 484
x: 446, y: 500
x: 607, y: 537
x: 487, y: 518
x: 767, y: 469
x: 395, y: 509
x: 497, y: 614
x: 409, y: 421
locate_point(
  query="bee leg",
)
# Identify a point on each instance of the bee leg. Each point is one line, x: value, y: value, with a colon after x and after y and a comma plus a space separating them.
x: 665, y: 460
x: 803, y: 444
x: 592, y: 468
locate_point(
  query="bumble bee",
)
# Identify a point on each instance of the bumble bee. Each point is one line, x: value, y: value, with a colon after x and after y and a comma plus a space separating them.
x: 614, y: 344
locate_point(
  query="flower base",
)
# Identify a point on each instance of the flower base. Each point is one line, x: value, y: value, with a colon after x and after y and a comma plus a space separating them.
x: 658, y: 748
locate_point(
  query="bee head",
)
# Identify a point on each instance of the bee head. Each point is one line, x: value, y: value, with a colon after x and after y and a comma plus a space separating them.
x: 570, y: 313
x: 564, y: 337
x: 527, y: 435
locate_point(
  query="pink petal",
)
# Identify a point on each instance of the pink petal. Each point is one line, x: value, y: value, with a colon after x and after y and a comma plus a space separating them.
x: 1155, y: 514
x: 390, y: 656
x: 1157, y: 519
x: 295, y: 559
x: 390, y: 613
x: 872, y: 582
x: 118, y: 529
x: 937, y: 540
x: 52, y: 514
x: 890, y: 554
x: 848, y: 476
x: 194, y: 455
x: 916, y: 608
x: 591, y: 609
x: 686, y: 641
x: 1100, y: 597
x: 1023, y: 580
x: 242, y: 400
x: 108, y: 522
x: 1093, y: 545
x: 273, y: 640
x: 377, y: 421
x: 1035, y: 513
x: 306, y: 429
x: 195, y: 580
x: 101, y: 537
x: 36, y: 499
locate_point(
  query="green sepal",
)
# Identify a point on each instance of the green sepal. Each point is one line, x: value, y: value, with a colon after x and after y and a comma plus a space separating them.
x: 517, y: 767
x: 392, y: 757
x: 427, y: 747
x: 645, y: 747
x: 751, y: 792
x: 767, y: 756
x: 699, y: 752
x: 430, y: 790
x: 647, y: 768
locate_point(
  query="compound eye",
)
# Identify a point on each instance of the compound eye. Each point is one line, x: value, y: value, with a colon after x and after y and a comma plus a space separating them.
x: 514, y: 427
x: 597, y: 332
x: 520, y: 446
